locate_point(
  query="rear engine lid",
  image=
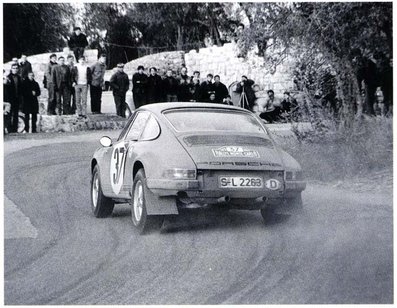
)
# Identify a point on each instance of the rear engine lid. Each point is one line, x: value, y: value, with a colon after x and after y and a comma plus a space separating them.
x: 233, y: 152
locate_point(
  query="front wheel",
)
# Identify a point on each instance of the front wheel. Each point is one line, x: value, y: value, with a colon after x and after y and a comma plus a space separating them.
x: 141, y: 220
x: 101, y: 205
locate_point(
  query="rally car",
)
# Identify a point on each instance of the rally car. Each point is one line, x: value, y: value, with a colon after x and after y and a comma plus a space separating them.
x: 175, y: 156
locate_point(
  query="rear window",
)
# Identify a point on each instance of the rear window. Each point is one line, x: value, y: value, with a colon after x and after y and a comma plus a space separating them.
x: 201, y: 120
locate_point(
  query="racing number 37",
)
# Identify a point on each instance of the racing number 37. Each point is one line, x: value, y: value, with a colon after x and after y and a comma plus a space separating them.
x: 117, y: 167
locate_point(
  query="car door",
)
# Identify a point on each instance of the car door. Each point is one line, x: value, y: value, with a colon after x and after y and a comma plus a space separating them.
x: 121, y: 151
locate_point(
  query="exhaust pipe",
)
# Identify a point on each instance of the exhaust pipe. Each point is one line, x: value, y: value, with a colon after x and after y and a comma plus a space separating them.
x: 260, y: 199
x: 224, y: 199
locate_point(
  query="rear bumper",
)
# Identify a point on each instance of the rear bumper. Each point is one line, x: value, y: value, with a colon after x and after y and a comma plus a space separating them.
x: 194, y: 189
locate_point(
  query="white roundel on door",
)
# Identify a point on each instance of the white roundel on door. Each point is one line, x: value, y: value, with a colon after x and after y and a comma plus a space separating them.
x: 117, y: 162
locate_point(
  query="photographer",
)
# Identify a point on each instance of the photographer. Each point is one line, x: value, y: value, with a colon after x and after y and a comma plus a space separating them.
x: 245, y: 86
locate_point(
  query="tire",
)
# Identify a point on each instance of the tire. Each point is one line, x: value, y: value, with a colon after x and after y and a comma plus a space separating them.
x: 101, y: 206
x: 141, y: 220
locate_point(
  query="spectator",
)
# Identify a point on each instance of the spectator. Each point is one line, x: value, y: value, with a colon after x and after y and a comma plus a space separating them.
x: 6, y: 103
x: 78, y: 42
x: 195, y: 89
x: 16, y: 62
x: 139, y: 87
x: 98, y: 71
x: 154, y: 89
x: 212, y: 98
x: 206, y: 87
x: 228, y: 100
x: 220, y: 89
x: 183, y: 93
x: 70, y: 63
x: 288, y: 103
x: 15, y: 96
x: 24, y: 67
x: 62, y: 79
x: 31, y: 91
x: 208, y: 42
x: 120, y: 84
x: 260, y: 100
x: 81, y: 79
x: 184, y: 74
x: 49, y: 85
x: 245, y: 86
x: 196, y: 74
x: 170, y: 86
x: 272, y: 108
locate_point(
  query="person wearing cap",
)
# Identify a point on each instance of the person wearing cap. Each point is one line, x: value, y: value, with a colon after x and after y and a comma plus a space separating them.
x: 81, y: 78
x: 30, y: 92
x: 62, y: 79
x: 49, y: 85
x: 98, y: 71
x: 24, y: 67
x: 120, y: 84
x: 139, y: 87
x: 78, y: 42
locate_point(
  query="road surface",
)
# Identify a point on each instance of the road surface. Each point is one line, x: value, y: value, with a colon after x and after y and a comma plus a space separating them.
x: 339, y: 250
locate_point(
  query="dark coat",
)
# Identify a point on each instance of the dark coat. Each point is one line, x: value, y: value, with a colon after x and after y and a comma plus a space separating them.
x: 184, y: 94
x: 170, y: 85
x: 154, y: 89
x: 30, y: 102
x: 48, y: 74
x: 15, y: 89
x: 78, y: 41
x: 139, y: 83
x: 61, y: 76
x: 247, y: 87
x: 119, y: 83
x: 195, y: 91
x: 24, y: 69
x: 205, y: 89
x: 220, y: 92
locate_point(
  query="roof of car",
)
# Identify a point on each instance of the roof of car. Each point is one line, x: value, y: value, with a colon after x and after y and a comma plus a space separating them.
x: 160, y: 107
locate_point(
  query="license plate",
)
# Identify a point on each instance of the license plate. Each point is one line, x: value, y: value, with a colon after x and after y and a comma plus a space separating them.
x: 240, y: 182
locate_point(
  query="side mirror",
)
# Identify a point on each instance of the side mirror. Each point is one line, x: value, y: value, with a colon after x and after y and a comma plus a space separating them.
x: 105, y: 141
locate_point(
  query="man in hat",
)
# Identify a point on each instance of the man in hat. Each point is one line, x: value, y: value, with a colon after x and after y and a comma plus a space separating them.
x: 139, y: 87
x: 98, y: 71
x: 120, y: 84
x: 78, y: 42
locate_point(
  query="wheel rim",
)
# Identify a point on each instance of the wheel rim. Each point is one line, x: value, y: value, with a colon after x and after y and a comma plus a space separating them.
x: 138, y: 201
x: 95, y: 190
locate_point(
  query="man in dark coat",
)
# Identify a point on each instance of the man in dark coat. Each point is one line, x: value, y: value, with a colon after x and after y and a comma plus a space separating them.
x: 78, y: 42
x: 245, y: 86
x: 70, y: 63
x: 98, y: 71
x: 30, y: 90
x: 195, y: 89
x: 15, y: 96
x: 62, y: 79
x: 49, y: 85
x: 206, y: 88
x: 183, y: 93
x: 170, y: 86
x: 220, y: 90
x: 120, y: 84
x: 154, y: 87
x: 24, y: 67
x: 139, y: 87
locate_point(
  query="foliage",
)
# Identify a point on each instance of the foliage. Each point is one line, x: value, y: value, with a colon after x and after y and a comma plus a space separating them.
x: 35, y: 28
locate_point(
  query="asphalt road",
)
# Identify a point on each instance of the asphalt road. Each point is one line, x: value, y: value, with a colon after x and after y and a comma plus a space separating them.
x: 338, y: 250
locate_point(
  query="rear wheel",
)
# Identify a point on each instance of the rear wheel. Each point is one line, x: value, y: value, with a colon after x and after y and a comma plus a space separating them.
x: 101, y: 205
x: 141, y: 220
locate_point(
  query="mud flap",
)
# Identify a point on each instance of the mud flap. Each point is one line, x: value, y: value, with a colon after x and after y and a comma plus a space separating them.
x: 160, y: 205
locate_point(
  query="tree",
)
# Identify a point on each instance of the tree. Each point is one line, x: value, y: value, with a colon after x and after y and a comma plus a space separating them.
x: 35, y: 28
x: 344, y: 35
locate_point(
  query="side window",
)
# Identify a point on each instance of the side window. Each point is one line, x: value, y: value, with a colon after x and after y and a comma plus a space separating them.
x: 152, y: 129
x: 126, y: 127
x: 137, y: 126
